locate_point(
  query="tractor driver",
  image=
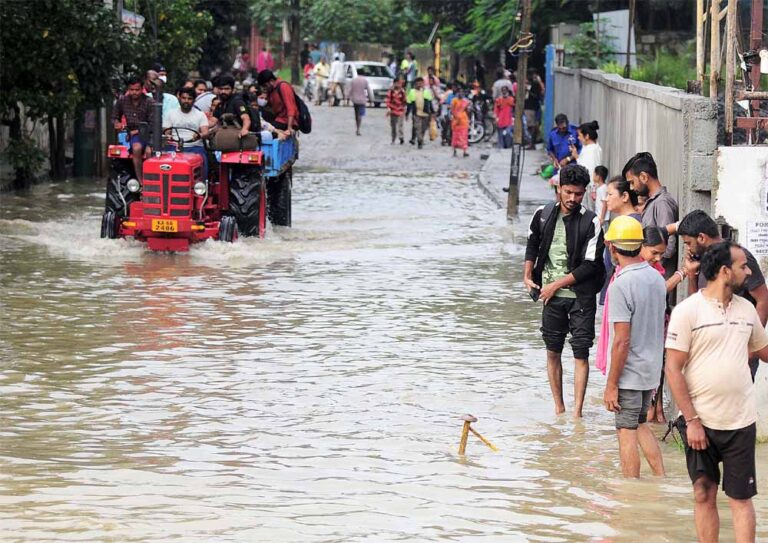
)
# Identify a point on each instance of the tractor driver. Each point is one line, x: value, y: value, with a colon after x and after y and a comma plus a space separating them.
x: 136, y: 107
x: 190, y: 124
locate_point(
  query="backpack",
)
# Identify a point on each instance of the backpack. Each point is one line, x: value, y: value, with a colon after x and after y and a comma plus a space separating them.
x: 305, y: 119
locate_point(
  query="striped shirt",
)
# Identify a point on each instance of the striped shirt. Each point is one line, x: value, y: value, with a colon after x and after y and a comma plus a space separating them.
x: 395, y: 101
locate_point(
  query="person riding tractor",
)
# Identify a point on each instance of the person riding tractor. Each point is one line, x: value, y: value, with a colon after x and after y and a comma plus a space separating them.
x: 136, y: 107
x: 187, y: 127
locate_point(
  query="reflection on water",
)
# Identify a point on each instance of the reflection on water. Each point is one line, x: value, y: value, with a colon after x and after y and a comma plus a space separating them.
x: 305, y: 387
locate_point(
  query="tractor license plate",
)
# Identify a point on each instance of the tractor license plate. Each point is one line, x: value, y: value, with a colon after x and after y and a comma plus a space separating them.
x: 164, y: 225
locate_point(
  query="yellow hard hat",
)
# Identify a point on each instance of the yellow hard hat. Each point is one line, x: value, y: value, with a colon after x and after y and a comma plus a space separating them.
x: 625, y: 232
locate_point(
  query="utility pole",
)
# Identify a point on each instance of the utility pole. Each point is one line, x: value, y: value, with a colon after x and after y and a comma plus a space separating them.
x: 630, y: 33
x: 513, y: 196
x: 296, y: 39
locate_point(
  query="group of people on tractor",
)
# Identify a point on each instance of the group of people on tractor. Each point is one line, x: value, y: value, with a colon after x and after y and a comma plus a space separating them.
x: 234, y: 120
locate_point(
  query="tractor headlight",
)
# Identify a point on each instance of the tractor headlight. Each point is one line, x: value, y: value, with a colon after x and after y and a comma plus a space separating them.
x: 200, y: 188
x: 133, y: 185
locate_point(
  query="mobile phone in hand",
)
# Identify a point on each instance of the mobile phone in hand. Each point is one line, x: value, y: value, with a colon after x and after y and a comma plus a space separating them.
x: 534, y: 293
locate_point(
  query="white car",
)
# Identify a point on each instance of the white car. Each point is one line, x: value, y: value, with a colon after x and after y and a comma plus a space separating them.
x: 379, y: 77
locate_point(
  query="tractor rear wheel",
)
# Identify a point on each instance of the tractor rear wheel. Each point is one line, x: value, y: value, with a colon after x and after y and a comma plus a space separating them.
x: 109, y: 225
x: 228, y: 229
x: 245, y: 200
x: 279, y: 198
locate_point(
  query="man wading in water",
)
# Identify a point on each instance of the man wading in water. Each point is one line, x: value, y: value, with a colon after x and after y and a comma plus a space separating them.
x: 564, y: 269
x: 636, y: 306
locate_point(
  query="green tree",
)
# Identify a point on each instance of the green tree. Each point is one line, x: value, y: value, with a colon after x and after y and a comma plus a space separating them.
x: 584, y: 49
x: 220, y: 40
x: 56, y: 56
x: 173, y: 33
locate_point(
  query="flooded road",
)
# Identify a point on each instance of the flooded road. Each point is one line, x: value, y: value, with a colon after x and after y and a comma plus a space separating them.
x: 305, y: 387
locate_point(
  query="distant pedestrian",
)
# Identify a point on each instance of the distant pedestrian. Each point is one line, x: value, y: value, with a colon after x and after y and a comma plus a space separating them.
x: 411, y: 69
x: 534, y: 96
x: 561, y: 138
x: 395, y: 102
x: 305, y: 56
x: 599, y: 180
x: 637, y: 301
x: 564, y: 269
x: 660, y: 207
x: 590, y: 156
x: 479, y: 75
x: 503, y: 110
x: 336, y: 80
x: 322, y: 71
x: 711, y: 335
x: 501, y: 81
x: 419, y: 100
x: 360, y: 95
x: 264, y: 60
x: 315, y: 54
x: 460, y: 121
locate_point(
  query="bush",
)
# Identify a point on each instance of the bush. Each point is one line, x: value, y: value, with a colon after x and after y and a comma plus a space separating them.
x: 25, y: 157
x: 666, y: 68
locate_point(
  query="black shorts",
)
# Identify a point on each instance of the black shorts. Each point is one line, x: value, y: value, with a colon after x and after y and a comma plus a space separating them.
x: 574, y: 315
x: 736, y: 450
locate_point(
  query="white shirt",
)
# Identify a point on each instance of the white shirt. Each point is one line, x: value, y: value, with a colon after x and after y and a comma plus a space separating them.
x: 591, y: 156
x: 193, y: 120
x: 601, y: 193
x: 337, y: 72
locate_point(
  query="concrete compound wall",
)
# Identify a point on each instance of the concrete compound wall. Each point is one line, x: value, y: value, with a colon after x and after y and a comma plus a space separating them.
x: 679, y: 129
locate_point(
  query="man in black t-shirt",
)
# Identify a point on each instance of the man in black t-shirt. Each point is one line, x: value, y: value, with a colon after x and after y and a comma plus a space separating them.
x: 534, y: 94
x: 232, y: 104
x: 698, y: 232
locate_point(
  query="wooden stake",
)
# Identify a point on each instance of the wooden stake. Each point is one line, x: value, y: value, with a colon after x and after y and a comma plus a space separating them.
x: 468, y: 419
x: 714, y: 50
x: 490, y: 445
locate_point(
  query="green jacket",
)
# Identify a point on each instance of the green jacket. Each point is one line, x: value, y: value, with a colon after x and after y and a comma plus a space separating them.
x: 410, y: 100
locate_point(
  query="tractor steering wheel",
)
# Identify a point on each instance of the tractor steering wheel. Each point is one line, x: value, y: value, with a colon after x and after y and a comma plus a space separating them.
x: 173, y: 136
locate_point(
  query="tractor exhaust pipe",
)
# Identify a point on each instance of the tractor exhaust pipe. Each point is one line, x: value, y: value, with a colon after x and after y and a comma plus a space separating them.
x: 157, y: 125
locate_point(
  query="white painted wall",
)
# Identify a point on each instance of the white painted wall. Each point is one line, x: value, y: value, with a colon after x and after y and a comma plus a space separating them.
x: 739, y: 197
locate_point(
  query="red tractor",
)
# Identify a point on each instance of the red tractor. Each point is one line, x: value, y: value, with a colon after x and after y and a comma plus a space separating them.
x: 173, y: 205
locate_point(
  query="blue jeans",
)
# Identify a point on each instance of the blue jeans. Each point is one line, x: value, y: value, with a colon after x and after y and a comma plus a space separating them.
x: 505, y: 138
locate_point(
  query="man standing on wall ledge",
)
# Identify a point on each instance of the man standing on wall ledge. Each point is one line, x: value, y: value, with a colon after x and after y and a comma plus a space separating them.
x: 564, y: 269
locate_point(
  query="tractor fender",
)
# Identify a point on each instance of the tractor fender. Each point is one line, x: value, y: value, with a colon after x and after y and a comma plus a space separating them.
x: 243, y: 157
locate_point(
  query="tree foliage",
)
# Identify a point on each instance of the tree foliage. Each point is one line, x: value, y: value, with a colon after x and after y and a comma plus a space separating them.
x: 220, y: 39
x: 492, y: 23
x: 173, y: 33
x: 58, y: 54
x: 581, y: 50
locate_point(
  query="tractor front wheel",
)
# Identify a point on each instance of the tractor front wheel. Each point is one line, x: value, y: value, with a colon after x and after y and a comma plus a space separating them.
x: 109, y: 225
x: 228, y: 229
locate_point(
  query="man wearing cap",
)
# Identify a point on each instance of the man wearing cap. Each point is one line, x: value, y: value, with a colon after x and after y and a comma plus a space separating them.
x: 636, y: 305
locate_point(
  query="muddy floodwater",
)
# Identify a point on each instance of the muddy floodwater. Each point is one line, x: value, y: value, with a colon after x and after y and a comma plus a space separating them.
x: 305, y: 387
